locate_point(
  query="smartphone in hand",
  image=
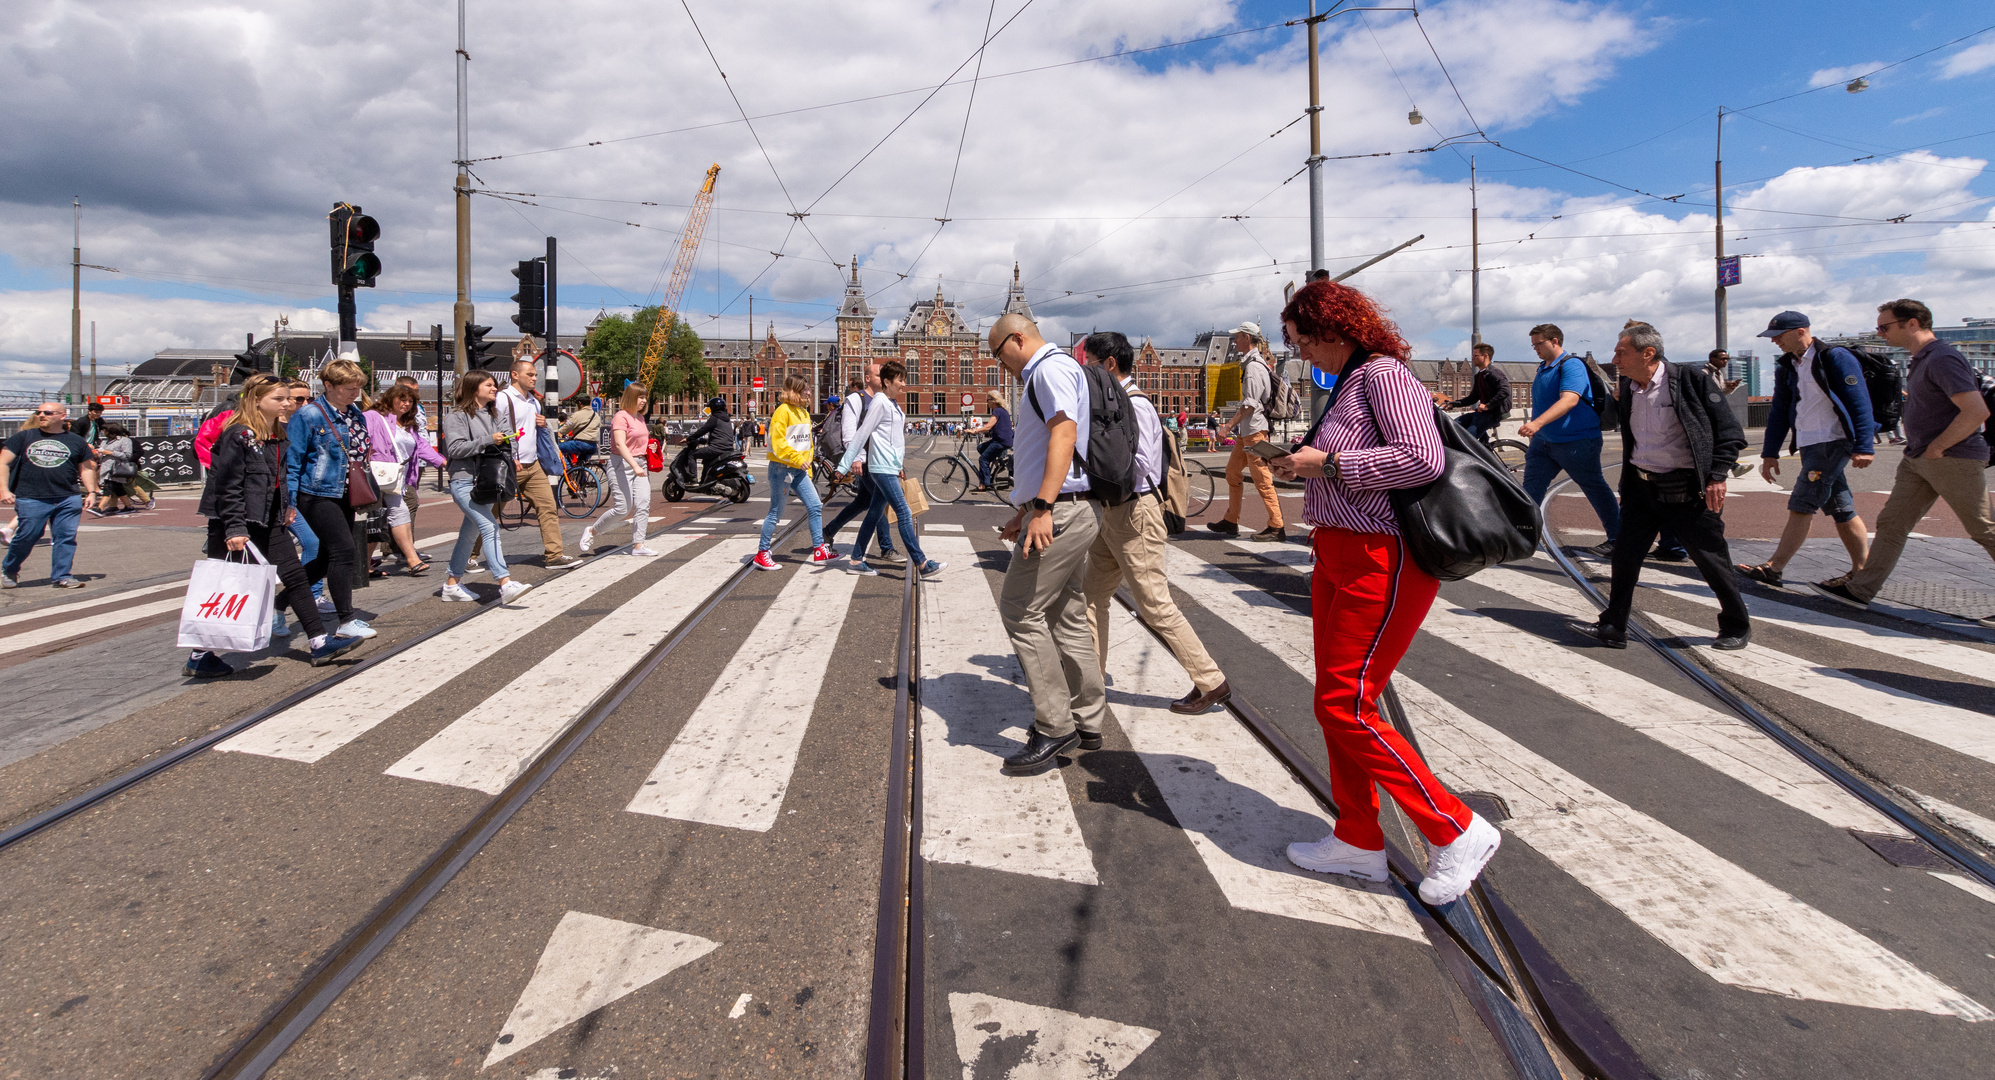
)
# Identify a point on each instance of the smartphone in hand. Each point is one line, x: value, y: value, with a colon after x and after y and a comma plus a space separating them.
x: 1267, y: 449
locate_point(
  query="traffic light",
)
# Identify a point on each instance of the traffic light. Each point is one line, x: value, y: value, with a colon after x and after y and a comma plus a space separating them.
x: 476, y: 349
x: 353, y: 235
x: 532, y: 297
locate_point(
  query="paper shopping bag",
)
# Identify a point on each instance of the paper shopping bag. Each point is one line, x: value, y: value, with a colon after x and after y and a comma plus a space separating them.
x: 917, y: 499
x: 228, y: 604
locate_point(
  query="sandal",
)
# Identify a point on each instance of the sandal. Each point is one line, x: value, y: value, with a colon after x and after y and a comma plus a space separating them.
x: 417, y: 570
x: 1764, y: 573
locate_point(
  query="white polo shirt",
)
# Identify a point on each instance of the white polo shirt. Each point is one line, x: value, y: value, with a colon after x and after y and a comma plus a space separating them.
x: 1062, y: 391
x: 526, y: 447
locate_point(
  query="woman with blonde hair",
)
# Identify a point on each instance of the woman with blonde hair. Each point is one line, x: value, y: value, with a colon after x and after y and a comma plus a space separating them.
x: 246, y: 502
x: 391, y: 424
x: 326, y: 446
x: 1367, y: 596
x: 629, y: 481
x: 790, y: 447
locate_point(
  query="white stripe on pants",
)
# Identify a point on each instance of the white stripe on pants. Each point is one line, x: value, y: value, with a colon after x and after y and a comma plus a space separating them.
x: 631, y: 495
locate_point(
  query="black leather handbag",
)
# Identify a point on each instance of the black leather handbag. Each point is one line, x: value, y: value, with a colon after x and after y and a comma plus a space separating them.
x: 1475, y: 515
x: 497, y: 478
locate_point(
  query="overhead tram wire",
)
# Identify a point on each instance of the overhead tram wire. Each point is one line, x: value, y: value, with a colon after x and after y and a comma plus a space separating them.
x: 1867, y: 74
x: 890, y: 94
x: 962, y: 139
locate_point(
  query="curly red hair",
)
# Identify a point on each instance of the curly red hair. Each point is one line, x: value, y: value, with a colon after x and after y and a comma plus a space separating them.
x: 1326, y: 309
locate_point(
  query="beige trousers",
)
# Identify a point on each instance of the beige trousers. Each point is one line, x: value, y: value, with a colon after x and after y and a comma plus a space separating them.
x: 534, y: 488
x: 1131, y: 545
x: 1962, y: 482
x: 1045, y: 612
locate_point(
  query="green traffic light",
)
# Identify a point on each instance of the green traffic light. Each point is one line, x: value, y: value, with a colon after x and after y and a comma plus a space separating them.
x: 365, y: 266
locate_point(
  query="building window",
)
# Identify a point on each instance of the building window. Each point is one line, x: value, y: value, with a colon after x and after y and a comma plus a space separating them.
x: 941, y: 403
x: 990, y: 376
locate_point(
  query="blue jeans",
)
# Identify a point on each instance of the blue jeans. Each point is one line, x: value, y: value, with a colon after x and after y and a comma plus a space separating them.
x: 60, y: 519
x: 1480, y: 424
x: 308, y: 549
x: 581, y: 448
x: 1823, y: 483
x: 1581, y: 460
x: 887, y: 491
x: 863, y: 497
x: 781, y: 479
x: 478, y: 522
x: 992, y: 451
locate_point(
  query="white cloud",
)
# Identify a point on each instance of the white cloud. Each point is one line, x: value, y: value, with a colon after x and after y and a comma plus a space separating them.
x: 1834, y: 75
x: 1969, y: 60
x: 1926, y: 115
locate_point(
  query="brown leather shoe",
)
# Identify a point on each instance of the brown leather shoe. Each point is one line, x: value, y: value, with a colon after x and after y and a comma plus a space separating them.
x: 1195, y: 702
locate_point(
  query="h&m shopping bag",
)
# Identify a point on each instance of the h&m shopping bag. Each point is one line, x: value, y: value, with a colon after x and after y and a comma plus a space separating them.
x: 228, y: 604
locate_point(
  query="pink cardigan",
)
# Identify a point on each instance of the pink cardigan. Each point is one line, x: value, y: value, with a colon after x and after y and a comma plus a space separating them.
x: 380, y: 431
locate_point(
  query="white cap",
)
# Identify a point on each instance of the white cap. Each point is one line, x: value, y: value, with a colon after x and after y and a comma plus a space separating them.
x: 1253, y: 328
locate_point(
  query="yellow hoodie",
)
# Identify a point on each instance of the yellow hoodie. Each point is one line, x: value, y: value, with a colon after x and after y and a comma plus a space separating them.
x: 790, y: 436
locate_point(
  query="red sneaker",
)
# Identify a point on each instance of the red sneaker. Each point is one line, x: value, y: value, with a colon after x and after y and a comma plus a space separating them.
x: 823, y: 553
x: 764, y: 562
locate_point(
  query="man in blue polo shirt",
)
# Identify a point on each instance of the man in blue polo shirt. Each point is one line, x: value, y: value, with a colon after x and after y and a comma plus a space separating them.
x: 1564, y: 430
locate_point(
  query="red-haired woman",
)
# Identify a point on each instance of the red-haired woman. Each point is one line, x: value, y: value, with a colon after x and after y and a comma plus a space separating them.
x: 1367, y: 598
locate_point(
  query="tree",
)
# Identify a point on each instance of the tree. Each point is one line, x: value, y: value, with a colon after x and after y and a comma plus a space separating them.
x: 615, y: 352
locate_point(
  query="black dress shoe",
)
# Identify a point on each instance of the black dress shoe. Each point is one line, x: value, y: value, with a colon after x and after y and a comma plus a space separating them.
x: 1090, y: 740
x: 1671, y: 555
x: 1605, y: 635
x: 1041, y: 753
x: 1223, y: 527
x: 1195, y: 702
x: 1271, y: 535
x: 1733, y: 642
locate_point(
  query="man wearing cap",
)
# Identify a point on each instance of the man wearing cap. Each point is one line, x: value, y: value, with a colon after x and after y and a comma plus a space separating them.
x: 1250, y: 422
x: 1827, y: 410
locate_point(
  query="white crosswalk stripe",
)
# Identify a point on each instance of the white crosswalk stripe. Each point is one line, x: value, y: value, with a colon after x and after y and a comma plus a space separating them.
x: 974, y: 711
x: 1962, y: 730
x: 320, y: 725
x: 730, y: 765
x: 488, y: 746
x: 1725, y: 743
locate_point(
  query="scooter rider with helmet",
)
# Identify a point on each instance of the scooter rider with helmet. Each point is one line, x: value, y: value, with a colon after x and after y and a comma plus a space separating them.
x: 709, y: 444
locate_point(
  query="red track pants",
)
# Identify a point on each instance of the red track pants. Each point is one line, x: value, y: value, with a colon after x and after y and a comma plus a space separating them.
x: 1367, y: 599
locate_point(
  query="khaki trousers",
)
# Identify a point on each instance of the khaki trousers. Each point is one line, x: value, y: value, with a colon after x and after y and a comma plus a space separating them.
x: 1131, y: 545
x: 1264, y: 480
x: 535, y: 490
x: 1962, y: 482
x: 1044, y: 608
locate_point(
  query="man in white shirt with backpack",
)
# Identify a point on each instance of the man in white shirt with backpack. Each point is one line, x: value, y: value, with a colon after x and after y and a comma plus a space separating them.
x: 1044, y: 603
x: 1132, y: 540
x: 1249, y: 426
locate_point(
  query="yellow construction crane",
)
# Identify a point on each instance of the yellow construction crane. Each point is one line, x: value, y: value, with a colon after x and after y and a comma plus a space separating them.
x: 682, y: 273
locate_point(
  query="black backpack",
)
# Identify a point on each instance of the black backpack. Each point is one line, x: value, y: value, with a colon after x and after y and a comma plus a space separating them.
x: 1988, y: 427
x: 1885, y: 385
x: 1596, y: 387
x: 1111, y: 457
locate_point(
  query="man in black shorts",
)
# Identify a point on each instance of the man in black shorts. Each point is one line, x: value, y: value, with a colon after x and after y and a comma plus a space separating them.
x: 45, y: 471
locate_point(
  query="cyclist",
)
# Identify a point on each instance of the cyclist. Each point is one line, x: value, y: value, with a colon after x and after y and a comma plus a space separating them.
x: 711, y: 443
x: 998, y: 427
x: 1488, y: 400
x: 581, y: 434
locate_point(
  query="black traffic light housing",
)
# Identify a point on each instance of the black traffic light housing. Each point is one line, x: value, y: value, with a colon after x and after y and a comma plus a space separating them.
x: 353, y: 234
x: 532, y: 297
x: 476, y: 349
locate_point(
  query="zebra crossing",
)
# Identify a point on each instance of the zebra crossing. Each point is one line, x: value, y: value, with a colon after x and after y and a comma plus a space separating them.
x: 1232, y: 803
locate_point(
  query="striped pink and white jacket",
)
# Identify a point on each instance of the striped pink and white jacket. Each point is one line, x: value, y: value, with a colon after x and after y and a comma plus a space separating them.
x: 1381, y: 430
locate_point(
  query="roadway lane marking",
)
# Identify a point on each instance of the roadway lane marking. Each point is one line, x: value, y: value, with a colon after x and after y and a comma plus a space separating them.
x: 1966, y: 884
x: 972, y: 691
x: 1239, y: 806
x: 488, y: 746
x: 88, y: 605
x: 1723, y: 742
x: 1945, y: 655
x: 1960, y: 730
x: 997, y: 1037
x: 942, y: 528
x: 1728, y: 923
x: 588, y: 963
x: 731, y: 764
x: 1967, y: 821
x: 49, y: 635
x: 313, y: 728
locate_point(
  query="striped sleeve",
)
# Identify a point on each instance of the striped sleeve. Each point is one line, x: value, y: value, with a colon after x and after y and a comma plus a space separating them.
x: 1404, y: 413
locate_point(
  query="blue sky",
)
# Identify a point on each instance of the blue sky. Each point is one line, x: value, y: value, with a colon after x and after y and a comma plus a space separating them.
x: 216, y: 216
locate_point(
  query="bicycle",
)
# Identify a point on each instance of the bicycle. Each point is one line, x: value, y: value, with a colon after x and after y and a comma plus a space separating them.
x: 1198, y: 479
x: 578, y: 492
x: 948, y: 479
x: 1509, y: 452
x: 825, y: 477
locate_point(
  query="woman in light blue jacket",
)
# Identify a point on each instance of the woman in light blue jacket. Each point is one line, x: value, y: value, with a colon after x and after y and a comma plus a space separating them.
x: 319, y: 441
x: 881, y: 436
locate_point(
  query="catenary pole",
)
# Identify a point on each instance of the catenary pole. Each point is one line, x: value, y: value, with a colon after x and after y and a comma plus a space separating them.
x: 76, y: 299
x: 1475, y: 261
x: 1718, y: 178
x: 462, y: 314
x: 1315, y: 150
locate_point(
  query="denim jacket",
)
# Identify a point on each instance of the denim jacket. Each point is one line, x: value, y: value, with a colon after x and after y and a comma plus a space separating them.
x: 314, y: 458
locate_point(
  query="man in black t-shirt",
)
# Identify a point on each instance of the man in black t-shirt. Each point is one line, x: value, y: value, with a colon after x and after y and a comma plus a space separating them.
x: 44, y: 472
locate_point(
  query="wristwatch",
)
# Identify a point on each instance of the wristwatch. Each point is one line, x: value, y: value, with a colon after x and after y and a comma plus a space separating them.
x: 1040, y: 504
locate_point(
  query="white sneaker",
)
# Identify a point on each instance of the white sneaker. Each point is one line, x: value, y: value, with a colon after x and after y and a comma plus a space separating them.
x: 1333, y: 856
x: 642, y: 551
x: 458, y: 594
x: 512, y: 590
x: 1452, y: 869
x: 326, y: 604
x: 354, y: 628
x: 587, y: 545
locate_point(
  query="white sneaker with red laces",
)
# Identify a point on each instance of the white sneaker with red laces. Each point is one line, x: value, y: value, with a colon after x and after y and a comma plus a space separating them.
x: 763, y: 561
x: 822, y: 554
